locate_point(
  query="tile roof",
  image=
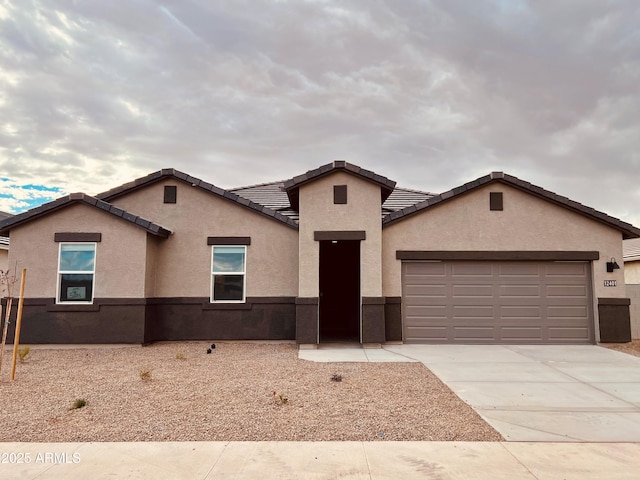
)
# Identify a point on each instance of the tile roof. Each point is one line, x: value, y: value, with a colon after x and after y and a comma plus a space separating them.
x: 628, y: 230
x: 292, y: 185
x: 9, y: 223
x: 196, y: 182
x: 273, y: 196
x: 631, y: 250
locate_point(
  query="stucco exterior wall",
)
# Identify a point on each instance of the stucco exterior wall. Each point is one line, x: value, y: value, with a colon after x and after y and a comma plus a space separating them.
x: 526, y: 223
x: 120, y: 256
x: 153, y: 245
x: 632, y: 272
x: 319, y: 213
x: 4, y: 259
x: 633, y: 291
x: 632, y: 280
x: 183, y: 261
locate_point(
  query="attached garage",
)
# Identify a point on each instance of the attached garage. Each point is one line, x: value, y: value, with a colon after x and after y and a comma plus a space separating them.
x: 509, y: 302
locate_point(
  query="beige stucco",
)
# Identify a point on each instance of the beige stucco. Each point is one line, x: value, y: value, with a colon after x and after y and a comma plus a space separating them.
x: 633, y: 292
x: 181, y: 264
x: 526, y: 223
x: 4, y: 259
x: 120, y: 256
x: 319, y: 213
x: 632, y: 280
x: 632, y: 272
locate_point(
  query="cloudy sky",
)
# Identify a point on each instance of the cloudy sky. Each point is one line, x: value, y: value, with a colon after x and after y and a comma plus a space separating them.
x: 430, y: 93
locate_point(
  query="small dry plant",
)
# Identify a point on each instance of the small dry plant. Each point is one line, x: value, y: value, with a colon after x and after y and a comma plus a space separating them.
x: 8, y: 279
x: 22, y: 353
x: 79, y: 403
x: 145, y: 374
x: 280, y: 398
x: 180, y: 356
x: 336, y: 377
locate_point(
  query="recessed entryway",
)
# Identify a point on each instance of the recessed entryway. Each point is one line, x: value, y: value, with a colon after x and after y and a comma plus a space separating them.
x: 339, y: 317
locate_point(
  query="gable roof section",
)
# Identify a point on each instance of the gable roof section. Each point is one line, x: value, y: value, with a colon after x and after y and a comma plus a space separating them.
x: 74, y: 198
x: 631, y: 250
x: 273, y: 196
x: 197, y: 183
x: 627, y: 230
x: 293, y: 185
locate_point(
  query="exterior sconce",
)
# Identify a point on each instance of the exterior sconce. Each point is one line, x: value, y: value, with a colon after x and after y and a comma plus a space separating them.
x: 612, y: 265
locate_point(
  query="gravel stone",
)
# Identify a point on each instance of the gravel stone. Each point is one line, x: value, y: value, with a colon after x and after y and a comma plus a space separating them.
x: 227, y: 395
x: 631, y: 348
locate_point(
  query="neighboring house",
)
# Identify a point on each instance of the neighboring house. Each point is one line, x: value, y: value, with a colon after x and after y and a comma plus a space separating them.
x: 631, y: 256
x: 4, y: 245
x: 337, y: 253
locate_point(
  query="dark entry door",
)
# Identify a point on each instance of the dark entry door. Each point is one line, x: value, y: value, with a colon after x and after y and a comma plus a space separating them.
x: 340, y: 290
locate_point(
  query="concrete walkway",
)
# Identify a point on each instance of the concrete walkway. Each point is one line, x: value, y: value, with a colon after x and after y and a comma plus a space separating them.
x: 319, y: 460
x: 582, y: 393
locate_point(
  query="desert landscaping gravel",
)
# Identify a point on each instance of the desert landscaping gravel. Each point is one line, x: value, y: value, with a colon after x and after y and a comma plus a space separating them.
x: 631, y: 348
x: 225, y: 395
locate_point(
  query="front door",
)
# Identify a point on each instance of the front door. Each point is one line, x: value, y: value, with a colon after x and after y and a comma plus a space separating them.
x: 339, y: 291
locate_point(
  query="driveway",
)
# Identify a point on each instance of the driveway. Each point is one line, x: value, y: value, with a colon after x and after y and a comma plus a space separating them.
x: 565, y: 393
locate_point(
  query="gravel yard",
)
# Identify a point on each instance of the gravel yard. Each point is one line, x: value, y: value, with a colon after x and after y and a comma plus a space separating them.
x: 227, y: 395
x: 632, y: 348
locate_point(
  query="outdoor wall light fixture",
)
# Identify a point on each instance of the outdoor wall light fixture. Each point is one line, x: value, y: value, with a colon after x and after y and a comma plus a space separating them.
x: 612, y: 265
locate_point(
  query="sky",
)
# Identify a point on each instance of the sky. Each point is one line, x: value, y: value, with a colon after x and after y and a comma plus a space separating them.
x: 429, y: 93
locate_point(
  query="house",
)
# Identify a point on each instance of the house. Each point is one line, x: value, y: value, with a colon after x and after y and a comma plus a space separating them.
x: 4, y: 245
x: 338, y: 253
x: 631, y: 257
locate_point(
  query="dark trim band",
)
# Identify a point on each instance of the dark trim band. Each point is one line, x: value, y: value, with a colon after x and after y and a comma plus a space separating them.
x: 228, y: 240
x: 77, y: 237
x: 322, y: 235
x: 614, y: 301
x: 373, y: 301
x: 498, y: 255
x: 307, y: 300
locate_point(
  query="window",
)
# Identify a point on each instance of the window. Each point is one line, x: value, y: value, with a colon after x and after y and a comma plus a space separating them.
x: 76, y: 272
x: 228, y: 273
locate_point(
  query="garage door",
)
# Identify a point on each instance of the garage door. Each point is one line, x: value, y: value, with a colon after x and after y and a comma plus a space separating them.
x: 496, y: 302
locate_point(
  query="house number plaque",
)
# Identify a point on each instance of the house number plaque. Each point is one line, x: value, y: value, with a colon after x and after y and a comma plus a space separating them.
x: 609, y: 283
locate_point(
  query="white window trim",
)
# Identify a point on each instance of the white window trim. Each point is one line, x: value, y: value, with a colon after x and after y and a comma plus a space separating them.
x: 65, y: 272
x: 244, y: 275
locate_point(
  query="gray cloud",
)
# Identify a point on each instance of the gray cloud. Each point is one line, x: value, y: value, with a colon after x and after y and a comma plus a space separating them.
x: 428, y: 93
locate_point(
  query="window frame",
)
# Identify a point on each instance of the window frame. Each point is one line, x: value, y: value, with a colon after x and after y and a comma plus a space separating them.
x: 76, y: 272
x: 243, y: 273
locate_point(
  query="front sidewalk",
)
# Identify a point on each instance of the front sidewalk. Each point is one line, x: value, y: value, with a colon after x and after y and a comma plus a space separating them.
x: 320, y: 460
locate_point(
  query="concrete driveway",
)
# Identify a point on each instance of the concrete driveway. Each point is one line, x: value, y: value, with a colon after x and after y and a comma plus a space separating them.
x: 564, y: 393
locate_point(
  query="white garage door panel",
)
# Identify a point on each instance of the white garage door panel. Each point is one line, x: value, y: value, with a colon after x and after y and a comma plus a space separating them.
x: 497, y: 302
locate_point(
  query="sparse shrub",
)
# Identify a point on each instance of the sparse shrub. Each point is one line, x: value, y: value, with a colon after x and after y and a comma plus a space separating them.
x: 336, y: 377
x: 22, y: 353
x: 145, y: 374
x: 79, y: 403
x: 180, y: 356
x: 279, y: 398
